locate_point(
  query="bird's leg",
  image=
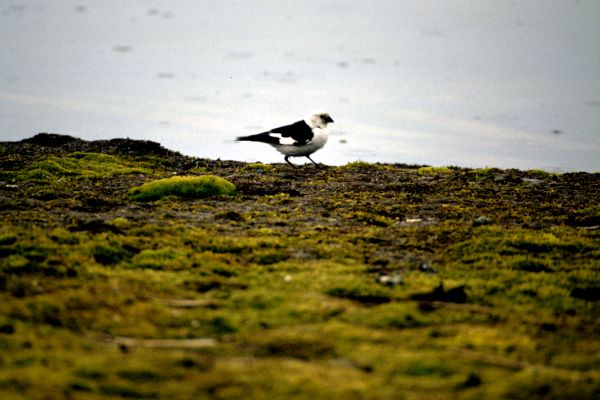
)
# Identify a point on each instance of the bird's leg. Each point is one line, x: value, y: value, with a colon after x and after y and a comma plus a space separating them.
x: 313, y: 161
x: 286, y: 158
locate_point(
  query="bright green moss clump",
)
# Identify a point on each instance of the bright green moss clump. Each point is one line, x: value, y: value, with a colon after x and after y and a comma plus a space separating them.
x: 183, y: 186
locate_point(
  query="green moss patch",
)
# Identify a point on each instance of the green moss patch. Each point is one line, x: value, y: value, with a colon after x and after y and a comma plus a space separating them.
x: 184, y: 187
x: 88, y: 165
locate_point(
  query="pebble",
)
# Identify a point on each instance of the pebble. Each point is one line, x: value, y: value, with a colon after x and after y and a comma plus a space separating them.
x: 390, y: 279
x: 427, y: 268
x: 482, y: 220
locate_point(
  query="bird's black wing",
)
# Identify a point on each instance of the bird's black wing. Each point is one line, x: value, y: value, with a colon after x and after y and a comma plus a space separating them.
x: 299, y: 132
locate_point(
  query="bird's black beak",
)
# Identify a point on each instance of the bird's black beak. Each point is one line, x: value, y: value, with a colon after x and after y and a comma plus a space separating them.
x: 328, y: 119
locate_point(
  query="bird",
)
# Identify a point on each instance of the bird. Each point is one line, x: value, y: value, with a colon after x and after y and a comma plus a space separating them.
x: 300, y: 139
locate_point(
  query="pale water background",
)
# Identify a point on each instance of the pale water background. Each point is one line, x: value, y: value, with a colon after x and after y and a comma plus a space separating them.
x: 471, y: 83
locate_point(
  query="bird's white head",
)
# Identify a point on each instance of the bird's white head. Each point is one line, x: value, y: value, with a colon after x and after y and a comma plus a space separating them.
x: 318, y: 120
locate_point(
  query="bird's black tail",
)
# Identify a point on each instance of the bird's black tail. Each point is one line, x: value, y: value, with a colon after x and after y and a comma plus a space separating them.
x: 246, y: 138
x: 259, y: 137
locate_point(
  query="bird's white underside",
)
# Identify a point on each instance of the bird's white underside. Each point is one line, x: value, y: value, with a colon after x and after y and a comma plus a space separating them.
x: 318, y: 141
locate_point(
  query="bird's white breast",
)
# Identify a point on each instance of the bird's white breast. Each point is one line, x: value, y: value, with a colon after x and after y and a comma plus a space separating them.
x: 319, y: 139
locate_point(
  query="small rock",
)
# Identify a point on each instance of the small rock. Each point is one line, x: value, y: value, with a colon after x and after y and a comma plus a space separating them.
x: 427, y: 268
x: 482, y: 220
x: 390, y: 279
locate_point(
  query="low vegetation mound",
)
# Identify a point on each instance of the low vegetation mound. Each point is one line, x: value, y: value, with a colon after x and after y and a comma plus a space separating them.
x: 184, y: 187
x: 130, y: 147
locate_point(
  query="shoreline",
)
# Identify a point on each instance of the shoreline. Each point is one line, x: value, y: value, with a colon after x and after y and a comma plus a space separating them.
x: 126, y: 146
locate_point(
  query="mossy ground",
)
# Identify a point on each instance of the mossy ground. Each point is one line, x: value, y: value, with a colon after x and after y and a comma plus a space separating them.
x: 365, y: 281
